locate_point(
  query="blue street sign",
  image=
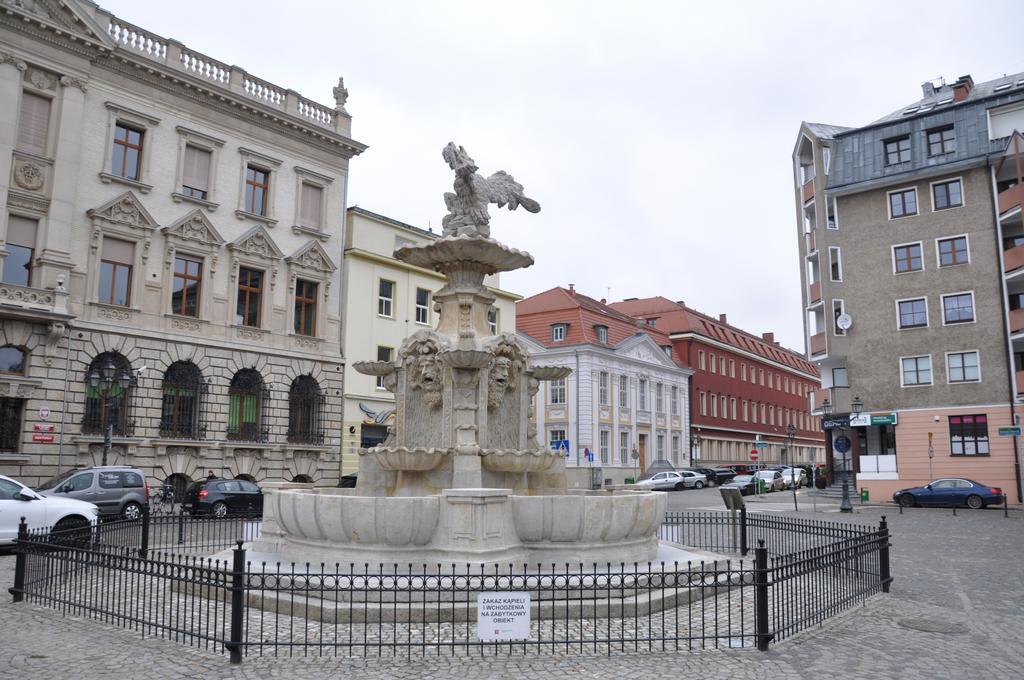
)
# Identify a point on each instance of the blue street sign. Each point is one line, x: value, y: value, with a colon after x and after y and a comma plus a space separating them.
x: 842, y: 444
x: 562, y: 445
x: 589, y: 455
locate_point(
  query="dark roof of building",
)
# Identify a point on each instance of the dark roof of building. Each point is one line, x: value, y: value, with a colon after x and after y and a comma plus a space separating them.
x: 824, y: 131
x: 943, y: 97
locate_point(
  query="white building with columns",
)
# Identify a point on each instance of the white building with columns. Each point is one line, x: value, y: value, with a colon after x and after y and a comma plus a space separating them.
x: 171, y: 240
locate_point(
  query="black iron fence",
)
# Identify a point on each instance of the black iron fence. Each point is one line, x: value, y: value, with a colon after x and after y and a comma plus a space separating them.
x: 139, y: 576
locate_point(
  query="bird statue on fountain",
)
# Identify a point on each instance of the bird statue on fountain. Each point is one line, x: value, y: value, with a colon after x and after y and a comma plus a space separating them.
x: 467, y: 207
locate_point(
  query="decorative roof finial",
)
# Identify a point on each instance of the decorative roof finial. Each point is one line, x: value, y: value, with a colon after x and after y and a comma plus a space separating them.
x: 340, y: 96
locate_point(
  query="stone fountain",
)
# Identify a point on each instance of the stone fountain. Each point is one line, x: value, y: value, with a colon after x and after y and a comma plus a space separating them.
x: 461, y: 478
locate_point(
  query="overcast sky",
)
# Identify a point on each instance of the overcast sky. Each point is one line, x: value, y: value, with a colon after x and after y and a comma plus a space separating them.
x: 656, y: 136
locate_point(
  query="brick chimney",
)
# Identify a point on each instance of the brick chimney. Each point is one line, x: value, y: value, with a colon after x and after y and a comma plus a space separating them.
x: 769, y: 338
x: 962, y: 87
x: 722, y: 318
x: 572, y: 289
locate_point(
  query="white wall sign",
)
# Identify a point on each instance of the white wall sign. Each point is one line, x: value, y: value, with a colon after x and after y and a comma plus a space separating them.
x: 44, y: 412
x: 502, y: 616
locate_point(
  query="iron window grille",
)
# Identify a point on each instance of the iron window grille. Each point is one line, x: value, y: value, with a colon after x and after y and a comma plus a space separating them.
x: 110, y: 403
x: 305, y: 411
x: 184, y: 395
x: 247, y: 398
x: 10, y: 424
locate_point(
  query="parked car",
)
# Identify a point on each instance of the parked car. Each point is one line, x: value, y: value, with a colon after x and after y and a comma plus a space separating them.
x: 659, y: 465
x: 674, y: 480
x: 954, y: 492
x: 745, y: 468
x: 772, y: 478
x: 724, y: 475
x: 117, y: 490
x: 63, y: 514
x: 221, y: 497
x: 709, y: 473
x: 745, y: 483
x: 794, y: 476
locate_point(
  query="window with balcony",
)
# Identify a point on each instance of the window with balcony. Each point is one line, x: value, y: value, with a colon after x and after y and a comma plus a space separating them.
x: 383, y: 354
x: 897, y: 150
x: 116, y: 265
x: 422, y: 306
x: 21, y: 248
x: 958, y: 308
x: 902, y: 203
x: 907, y: 258
x: 941, y: 141
x: 188, y: 279
x: 962, y: 367
x: 305, y: 307
x: 953, y: 251
x: 250, y: 297
x: 947, y: 195
x: 968, y: 435
x: 126, y: 156
x: 34, y: 124
x: 913, y: 313
x: 916, y: 371
x: 386, y: 299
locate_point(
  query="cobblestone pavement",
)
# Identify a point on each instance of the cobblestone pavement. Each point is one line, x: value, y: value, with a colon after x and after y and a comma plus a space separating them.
x: 960, y: 574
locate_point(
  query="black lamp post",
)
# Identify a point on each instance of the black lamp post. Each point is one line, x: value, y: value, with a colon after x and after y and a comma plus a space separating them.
x: 104, y: 379
x: 790, y: 438
x: 856, y: 406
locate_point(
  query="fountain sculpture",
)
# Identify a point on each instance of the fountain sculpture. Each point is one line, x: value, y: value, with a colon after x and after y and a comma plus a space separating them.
x: 461, y: 477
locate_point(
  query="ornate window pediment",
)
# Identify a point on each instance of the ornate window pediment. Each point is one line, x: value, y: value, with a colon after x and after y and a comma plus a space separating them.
x: 256, y: 243
x: 125, y: 212
x: 195, y: 227
x: 313, y: 257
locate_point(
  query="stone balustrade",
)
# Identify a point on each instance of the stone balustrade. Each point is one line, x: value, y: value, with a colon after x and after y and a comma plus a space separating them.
x: 174, y: 55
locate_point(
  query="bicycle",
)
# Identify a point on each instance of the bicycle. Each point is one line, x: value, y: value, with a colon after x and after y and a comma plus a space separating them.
x: 162, y: 500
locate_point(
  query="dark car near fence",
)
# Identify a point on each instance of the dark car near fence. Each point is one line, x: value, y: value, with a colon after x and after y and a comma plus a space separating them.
x: 221, y: 497
x: 950, y: 493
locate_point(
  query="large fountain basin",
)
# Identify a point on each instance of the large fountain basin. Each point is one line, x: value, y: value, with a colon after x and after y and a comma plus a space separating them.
x: 411, y: 459
x: 359, y: 520
x: 518, y: 461
x: 587, y: 519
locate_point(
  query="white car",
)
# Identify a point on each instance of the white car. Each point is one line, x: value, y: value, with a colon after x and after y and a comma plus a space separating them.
x: 772, y: 479
x: 17, y: 501
x: 794, y: 477
x: 673, y: 480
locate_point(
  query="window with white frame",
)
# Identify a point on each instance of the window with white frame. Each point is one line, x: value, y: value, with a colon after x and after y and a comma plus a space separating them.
x: 556, y: 391
x: 963, y: 367
x: 916, y: 371
x: 660, y: 442
x: 746, y: 411
x: 642, y: 394
x: 386, y: 298
x: 835, y: 264
x: 732, y: 407
x: 947, y: 194
x: 624, y: 447
x: 703, y: 396
x: 912, y: 313
x: 743, y: 372
x: 952, y: 251
x: 725, y: 406
x: 623, y: 391
x: 603, y: 389
x: 492, y: 320
x: 721, y: 365
x: 602, y: 334
x: 558, y: 332
x: 659, y: 398
x: 701, y: 360
x: 732, y: 368
x: 555, y: 439
x: 676, y: 449
x: 422, y: 306
x: 714, y: 406
x: 674, y: 399
x: 958, y: 308
x: 907, y: 258
x: 838, y: 308
x: 311, y: 200
x: 383, y: 354
x: 605, y: 446
x: 902, y: 203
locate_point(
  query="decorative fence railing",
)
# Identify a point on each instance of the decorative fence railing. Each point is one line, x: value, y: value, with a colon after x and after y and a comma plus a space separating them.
x: 139, y: 575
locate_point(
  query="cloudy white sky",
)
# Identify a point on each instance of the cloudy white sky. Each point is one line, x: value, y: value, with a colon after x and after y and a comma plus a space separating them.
x: 656, y: 135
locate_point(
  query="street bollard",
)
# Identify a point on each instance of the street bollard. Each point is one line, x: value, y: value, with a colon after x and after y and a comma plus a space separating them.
x: 761, y: 596
x: 1006, y: 507
x: 237, y: 603
x: 144, y: 542
x: 18, y: 591
x: 883, y: 555
x: 743, y: 531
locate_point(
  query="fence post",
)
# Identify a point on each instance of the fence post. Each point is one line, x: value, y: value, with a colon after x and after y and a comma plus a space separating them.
x: 144, y: 541
x: 237, y: 603
x: 181, y: 525
x: 883, y: 555
x: 18, y: 591
x: 743, y: 531
x: 1006, y: 507
x: 761, y: 596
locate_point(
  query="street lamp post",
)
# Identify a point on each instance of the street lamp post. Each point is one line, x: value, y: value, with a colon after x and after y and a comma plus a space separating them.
x: 790, y: 438
x: 104, y: 379
x: 856, y: 406
x: 694, y: 444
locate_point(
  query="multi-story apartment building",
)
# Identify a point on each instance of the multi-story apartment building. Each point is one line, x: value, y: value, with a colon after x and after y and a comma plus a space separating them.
x: 745, y: 391
x: 384, y: 302
x: 171, y: 237
x: 626, y: 402
x: 910, y: 256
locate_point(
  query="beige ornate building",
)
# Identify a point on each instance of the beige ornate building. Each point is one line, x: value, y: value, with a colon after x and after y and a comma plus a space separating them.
x: 170, y: 242
x: 386, y: 301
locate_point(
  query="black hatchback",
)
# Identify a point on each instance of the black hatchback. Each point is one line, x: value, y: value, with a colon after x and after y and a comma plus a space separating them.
x: 221, y: 497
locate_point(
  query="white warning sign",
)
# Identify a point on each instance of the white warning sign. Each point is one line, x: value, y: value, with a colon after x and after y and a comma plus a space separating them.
x: 502, y: 616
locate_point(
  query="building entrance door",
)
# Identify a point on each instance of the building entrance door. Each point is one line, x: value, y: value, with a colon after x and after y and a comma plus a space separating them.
x: 642, y: 449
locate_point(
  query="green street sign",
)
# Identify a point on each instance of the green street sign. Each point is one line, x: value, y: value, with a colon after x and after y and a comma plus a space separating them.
x: 887, y: 419
x: 1010, y: 431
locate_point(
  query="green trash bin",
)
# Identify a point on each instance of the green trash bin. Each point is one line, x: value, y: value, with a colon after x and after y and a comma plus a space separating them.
x: 864, y: 496
x: 762, y: 486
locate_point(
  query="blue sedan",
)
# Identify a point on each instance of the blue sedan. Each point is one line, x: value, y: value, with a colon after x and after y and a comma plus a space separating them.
x: 950, y: 493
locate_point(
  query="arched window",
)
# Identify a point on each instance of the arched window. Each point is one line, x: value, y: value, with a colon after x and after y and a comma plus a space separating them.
x: 109, y: 384
x: 183, y: 392
x: 246, y: 398
x: 305, y: 405
x: 302, y: 479
x: 13, y: 360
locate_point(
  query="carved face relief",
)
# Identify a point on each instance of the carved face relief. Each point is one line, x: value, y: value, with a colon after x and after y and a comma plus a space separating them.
x: 424, y: 372
x: 499, y: 380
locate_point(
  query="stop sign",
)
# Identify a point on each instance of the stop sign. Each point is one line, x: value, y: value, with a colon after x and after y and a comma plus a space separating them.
x: 753, y: 455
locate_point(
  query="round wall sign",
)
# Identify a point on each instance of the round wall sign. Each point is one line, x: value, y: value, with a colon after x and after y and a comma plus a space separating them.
x: 842, y: 444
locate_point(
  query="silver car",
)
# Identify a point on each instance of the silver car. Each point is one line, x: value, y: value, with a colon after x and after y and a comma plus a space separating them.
x: 116, y: 490
x: 674, y: 480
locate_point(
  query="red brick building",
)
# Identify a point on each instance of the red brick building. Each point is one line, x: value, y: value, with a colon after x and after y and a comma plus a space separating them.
x: 744, y: 388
